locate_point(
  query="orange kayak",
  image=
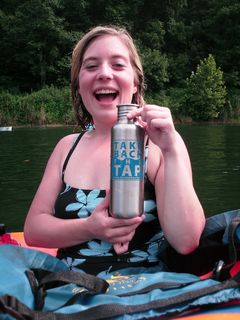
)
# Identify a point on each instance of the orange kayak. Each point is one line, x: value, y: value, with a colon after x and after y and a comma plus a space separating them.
x: 19, y: 238
x: 213, y: 316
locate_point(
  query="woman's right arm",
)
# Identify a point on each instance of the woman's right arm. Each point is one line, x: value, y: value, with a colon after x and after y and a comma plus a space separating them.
x: 41, y: 227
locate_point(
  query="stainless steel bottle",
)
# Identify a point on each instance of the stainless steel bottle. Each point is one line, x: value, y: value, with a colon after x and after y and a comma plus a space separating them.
x: 127, y: 165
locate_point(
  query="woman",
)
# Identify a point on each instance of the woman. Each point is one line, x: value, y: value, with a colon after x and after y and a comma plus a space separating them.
x: 70, y: 208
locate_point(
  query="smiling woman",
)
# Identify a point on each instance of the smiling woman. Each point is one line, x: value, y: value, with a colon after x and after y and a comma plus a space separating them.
x: 70, y: 210
x: 106, y: 78
x: 123, y: 56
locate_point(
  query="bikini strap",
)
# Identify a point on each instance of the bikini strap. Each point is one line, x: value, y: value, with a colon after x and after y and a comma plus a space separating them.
x: 70, y: 153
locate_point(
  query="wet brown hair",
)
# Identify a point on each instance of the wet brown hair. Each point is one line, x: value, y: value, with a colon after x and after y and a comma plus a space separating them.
x: 83, y: 117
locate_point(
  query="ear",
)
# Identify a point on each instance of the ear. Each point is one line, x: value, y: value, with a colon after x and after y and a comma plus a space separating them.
x: 135, y: 89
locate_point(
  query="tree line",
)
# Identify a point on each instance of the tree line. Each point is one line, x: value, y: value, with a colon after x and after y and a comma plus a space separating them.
x: 190, y: 49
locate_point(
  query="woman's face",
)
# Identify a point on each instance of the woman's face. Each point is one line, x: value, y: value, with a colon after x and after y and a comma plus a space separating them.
x: 106, y: 78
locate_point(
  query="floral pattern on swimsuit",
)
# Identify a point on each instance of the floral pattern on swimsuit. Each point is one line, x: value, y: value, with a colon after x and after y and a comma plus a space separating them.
x: 143, y: 249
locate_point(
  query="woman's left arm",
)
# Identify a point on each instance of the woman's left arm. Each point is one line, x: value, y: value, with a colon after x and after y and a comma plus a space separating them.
x: 180, y: 213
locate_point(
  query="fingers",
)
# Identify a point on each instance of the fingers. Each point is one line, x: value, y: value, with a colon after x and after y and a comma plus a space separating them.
x: 104, y: 204
x: 120, y: 235
x: 149, y: 112
x: 121, y: 247
x: 155, y: 112
x: 158, y: 124
x: 135, y: 113
x: 126, y: 223
x: 157, y: 118
x: 111, y: 229
x: 101, y: 211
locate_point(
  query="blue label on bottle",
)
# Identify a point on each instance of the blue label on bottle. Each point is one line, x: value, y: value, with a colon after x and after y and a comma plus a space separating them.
x: 127, y: 160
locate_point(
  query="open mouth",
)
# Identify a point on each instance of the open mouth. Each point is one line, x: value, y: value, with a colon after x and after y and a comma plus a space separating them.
x: 108, y: 95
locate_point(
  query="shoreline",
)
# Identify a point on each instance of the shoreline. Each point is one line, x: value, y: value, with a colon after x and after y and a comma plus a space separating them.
x: 55, y: 125
x: 176, y: 121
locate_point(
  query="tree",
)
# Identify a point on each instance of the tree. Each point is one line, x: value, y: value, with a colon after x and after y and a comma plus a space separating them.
x: 33, y: 45
x: 214, y: 27
x: 227, y: 43
x: 205, y: 92
x: 151, y: 43
x: 37, y: 38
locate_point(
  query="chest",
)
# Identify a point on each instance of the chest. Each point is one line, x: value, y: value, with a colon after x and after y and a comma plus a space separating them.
x: 89, y: 166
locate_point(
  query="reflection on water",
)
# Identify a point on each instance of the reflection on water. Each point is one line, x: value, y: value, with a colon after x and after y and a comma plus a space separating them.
x: 214, y: 152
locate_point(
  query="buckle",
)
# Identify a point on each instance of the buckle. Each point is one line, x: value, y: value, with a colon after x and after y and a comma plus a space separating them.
x: 218, y: 269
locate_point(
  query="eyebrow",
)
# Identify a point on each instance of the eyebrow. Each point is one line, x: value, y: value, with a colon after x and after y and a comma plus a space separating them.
x: 93, y: 58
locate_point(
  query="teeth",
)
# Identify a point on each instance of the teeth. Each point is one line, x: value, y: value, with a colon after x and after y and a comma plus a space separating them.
x: 105, y: 91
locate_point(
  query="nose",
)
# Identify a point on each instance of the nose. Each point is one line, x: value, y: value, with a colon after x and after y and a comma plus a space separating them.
x: 105, y: 72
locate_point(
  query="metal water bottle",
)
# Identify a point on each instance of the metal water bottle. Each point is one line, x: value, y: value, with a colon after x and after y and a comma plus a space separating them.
x: 127, y: 165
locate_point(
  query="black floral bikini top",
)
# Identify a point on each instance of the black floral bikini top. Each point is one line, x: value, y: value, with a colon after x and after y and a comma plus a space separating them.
x: 96, y: 255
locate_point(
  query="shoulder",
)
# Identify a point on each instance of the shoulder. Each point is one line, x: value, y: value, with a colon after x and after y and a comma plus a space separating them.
x: 63, y: 146
x: 67, y: 141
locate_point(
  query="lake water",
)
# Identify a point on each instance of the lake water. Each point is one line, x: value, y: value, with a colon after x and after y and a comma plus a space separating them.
x: 213, y: 149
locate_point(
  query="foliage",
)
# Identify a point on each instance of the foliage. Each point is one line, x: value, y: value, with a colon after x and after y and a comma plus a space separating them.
x: 34, y: 45
x: 214, y: 27
x: 37, y: 38
x: 234, y: 103
x: 206, y: 91
x: 8, y: 107
x: 47, y: 106
x: 155, y: 62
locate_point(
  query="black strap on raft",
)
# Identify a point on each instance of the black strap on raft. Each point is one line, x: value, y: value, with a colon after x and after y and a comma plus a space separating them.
x: 41, y: 280
x: 13, y: 307
x: 222, y: 270
x: 232, y: 241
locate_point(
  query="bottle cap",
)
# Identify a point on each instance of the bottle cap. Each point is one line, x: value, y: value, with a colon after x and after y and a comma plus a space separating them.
x: 124, y: 109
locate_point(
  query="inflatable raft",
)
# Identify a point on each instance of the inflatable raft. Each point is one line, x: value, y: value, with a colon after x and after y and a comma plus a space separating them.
x: 19, y: 238
x: 226, y: 311
x: 222, y: 233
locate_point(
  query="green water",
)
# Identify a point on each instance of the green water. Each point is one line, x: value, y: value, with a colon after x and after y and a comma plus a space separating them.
x: 214, y: 152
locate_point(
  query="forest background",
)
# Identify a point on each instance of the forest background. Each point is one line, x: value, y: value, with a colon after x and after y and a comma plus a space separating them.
x: 190, y: 52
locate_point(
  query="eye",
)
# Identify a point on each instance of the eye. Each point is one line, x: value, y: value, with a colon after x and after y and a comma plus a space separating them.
x: 91, y: 66
x: 119, y: 65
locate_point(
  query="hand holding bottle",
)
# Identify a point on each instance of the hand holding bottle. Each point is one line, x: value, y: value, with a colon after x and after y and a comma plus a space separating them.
x: 119, y: 232
x: 158, y: 123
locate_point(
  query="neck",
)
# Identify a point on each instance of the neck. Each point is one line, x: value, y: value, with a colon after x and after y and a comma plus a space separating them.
x: 103, y: 129
x: 101, y: 133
